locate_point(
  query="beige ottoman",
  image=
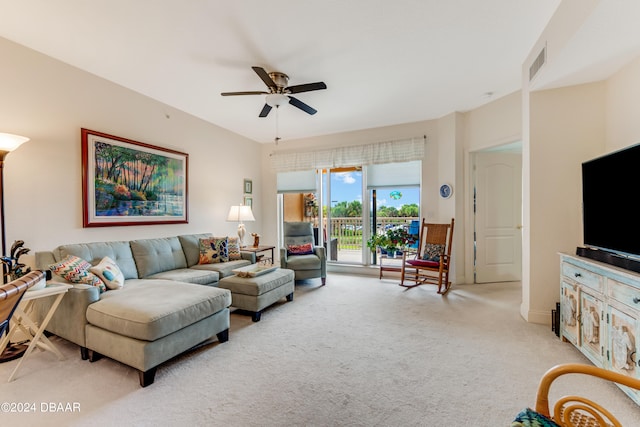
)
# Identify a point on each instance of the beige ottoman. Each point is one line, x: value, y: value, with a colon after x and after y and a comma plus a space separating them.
x: 254, y: 294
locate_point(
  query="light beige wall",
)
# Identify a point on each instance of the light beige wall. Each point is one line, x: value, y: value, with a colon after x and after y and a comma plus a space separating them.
x: 622, y: 106
x: 50, y: 101
x: 567, y: 127
x: 496, y: 123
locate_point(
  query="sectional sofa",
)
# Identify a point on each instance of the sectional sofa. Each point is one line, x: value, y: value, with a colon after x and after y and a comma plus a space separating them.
x: 168, y: 302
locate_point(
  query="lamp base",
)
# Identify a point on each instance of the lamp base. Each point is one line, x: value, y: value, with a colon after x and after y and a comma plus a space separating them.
x: 241, y: 233
x: 12, y: 352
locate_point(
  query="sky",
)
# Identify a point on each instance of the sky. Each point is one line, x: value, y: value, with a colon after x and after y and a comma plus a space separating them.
x: 347, y: 186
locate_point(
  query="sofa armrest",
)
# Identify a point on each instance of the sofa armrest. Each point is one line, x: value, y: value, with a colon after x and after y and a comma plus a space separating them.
x: 70, y: 318
x: 283, y: 258
x: 249, y: 256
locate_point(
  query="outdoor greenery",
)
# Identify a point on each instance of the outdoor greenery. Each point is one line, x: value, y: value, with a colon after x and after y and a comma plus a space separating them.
x: 354, y: 209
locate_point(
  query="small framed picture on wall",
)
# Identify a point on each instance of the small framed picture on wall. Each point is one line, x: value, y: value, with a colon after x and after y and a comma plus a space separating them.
x: 248, y: 201
x: 248, y: 186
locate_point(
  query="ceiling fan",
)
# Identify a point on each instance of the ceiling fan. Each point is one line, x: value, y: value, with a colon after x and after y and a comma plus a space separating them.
x: 279, y: 93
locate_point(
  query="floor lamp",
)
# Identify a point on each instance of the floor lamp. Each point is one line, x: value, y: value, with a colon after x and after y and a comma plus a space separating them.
x: 240, y: 213
x: 8, y: 143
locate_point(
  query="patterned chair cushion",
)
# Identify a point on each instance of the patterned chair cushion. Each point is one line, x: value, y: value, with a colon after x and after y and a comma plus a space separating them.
x: 530, y: 418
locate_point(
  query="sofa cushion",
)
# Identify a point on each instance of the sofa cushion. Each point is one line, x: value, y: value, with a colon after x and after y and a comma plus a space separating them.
x: 223, y: 268
x: 191, y: 248
x: 154, y: 256
x: 119, y: 251
x: 149, y: 310
x: 108, y: 271
x: 304, y: 262
x: 188, y: 275
x: 76, y: 270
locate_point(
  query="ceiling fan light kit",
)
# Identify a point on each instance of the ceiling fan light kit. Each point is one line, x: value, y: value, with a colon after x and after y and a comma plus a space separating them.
x: 276, y: 99
x: 279, y: 93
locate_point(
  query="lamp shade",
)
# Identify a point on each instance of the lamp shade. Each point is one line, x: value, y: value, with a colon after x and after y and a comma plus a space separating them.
x: 240, y: 213
x: 9, y: 142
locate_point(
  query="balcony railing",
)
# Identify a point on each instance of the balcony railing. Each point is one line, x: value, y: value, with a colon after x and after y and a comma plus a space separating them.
x: 348, y: 230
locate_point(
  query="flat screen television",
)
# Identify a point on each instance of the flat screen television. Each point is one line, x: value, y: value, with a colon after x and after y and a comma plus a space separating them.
x: 610, y: 190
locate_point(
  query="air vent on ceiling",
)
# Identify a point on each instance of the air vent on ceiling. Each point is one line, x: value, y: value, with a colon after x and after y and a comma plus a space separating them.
x: 538, y: 63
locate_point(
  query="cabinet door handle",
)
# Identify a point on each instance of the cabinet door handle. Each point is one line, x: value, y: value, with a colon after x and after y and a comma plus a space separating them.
x: 636, y: 300
x: 577, y: 274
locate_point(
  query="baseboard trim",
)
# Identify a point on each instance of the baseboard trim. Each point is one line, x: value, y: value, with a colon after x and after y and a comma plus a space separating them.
x: 536, y: 316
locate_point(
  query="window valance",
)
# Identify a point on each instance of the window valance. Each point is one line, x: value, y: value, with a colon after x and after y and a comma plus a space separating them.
x: 368, y: 154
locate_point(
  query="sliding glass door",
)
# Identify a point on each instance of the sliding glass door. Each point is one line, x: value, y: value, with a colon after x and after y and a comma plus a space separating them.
x: 346, y: 205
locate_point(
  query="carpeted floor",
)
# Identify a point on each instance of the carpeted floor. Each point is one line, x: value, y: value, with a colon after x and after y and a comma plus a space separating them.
x: 357, y: 352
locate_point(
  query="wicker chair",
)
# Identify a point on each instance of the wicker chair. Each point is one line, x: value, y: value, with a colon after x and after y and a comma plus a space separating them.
x: 424, y: 267
x: 576, y: 411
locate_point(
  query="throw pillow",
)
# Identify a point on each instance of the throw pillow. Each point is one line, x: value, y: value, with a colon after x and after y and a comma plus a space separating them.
x: 76, y: 270
x: 220, y: 249
x: 206, y: 251
x: 432, y: 252
x: 213, y: 250
x: 233, y: 247
x: 304, y: 249
x: 109, y: 272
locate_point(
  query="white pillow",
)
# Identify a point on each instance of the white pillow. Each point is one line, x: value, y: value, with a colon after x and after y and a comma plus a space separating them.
x: 109, y: 272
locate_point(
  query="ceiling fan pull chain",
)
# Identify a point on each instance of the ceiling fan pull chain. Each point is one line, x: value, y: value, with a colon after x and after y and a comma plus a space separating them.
x: 277, y: 128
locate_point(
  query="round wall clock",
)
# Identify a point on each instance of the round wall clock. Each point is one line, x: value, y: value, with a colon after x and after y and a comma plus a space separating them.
x: 445, y: 191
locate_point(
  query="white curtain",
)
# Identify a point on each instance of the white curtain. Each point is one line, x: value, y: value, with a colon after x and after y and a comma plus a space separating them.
x: 369, y: 154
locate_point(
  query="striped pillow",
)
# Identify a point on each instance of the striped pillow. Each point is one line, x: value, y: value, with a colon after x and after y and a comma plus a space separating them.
x: 233, y: 247
x: 76, y: 270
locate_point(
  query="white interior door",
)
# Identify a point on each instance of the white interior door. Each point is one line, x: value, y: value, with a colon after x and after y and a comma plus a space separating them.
x: 498, y: 216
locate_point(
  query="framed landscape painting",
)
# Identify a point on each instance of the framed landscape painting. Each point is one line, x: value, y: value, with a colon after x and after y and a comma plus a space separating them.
x: 126, y: 182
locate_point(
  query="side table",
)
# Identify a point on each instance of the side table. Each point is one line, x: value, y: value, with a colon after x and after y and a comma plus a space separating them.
x: 27, y: 325
x: 390, y: 264
x: 257, y: 249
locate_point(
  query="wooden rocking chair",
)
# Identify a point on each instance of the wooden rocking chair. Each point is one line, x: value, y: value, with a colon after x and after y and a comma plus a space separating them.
x: 430, y: 264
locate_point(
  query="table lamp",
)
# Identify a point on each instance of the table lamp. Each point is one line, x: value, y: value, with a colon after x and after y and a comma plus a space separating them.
x: 240, y: 213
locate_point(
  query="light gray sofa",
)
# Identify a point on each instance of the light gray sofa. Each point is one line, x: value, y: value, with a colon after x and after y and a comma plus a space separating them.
x: 168, y: 303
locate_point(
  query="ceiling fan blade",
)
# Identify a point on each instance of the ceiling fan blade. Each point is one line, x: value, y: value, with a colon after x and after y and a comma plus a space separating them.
x: 254, y: 92
x: 307, y: 87
x: 265, y: 110
x: 301, y: 105
x: 264, y: 76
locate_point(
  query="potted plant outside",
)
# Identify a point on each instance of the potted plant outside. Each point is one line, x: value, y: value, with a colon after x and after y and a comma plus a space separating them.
x: 391, y: 241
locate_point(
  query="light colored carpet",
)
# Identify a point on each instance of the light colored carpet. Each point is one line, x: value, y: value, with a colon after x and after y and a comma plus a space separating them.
x: 357, y: 352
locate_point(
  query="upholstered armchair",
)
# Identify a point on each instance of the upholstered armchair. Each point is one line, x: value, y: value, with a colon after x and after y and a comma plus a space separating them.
x: 300, y: 254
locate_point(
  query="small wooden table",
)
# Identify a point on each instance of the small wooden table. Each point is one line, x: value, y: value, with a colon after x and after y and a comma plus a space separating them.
x: 27, y: 325
x: 389, y: 264
x: 257, y: 249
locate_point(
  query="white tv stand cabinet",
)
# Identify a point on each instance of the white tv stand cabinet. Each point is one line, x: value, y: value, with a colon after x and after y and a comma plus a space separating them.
x: 600, y: 314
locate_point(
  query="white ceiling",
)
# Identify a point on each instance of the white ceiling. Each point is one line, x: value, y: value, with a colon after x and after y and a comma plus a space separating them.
x: 384, y: 62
